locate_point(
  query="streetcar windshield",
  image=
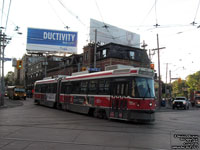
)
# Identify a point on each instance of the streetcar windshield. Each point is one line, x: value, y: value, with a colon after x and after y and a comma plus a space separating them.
x: 143, y: 88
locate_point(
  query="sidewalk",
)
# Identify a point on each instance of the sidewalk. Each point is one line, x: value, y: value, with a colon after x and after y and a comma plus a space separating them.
x: 11, y: 103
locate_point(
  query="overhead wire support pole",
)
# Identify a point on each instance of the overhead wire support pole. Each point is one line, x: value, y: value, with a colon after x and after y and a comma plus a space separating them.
x: 159, y: 78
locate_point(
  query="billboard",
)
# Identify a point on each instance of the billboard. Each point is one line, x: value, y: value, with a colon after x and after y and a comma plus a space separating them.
x: 44, y: 40
x: 107, y: 33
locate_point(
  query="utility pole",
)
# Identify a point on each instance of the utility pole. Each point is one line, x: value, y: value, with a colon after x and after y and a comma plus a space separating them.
x: 170, y: 79
x: 3, y: 42
x: 159, y: 78
x: 95, y: 48
x: 1, y: 98
x: 2, y: 77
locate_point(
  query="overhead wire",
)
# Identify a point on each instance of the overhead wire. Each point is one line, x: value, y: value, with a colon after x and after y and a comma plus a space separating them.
x: 105, y: 25
x: 71, y: 13
x: 2, y: 12
x: 56, y: 14
x: 193, y: 23
x: 148, y: 13
x: 156, y: 25
x: 8, y: 15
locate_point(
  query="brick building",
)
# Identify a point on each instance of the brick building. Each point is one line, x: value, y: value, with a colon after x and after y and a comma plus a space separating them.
x: 112, y: 54
x: 36, y: 67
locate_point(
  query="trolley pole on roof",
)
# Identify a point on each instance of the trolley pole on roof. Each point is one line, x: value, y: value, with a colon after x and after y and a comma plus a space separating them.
x: 159, y: 78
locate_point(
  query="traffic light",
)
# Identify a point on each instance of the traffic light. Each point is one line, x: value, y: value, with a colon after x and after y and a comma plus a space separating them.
x: 19, y: 64
x: 152, y: 66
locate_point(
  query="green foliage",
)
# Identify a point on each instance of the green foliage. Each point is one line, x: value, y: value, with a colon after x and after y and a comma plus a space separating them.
x: 179, y: 88
x: 9, y: 79
x: 193, y: 81
x: 184, y: 87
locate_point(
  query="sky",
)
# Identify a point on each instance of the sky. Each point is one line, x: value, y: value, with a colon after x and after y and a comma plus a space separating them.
x: 174, y: 17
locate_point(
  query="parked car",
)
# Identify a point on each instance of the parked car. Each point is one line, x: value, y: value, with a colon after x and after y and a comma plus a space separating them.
x: 181, y: 102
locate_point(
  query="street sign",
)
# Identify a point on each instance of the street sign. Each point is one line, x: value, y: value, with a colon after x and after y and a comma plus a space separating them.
x: 94, y: 69
x: 6, y: 59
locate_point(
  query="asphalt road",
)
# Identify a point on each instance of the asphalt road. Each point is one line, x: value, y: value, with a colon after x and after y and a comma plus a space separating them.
x: 32, y: 127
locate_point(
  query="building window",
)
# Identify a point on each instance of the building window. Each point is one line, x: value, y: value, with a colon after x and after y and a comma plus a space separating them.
x: 132, y: 55
x: 86, y: 55
x: 104, y: 52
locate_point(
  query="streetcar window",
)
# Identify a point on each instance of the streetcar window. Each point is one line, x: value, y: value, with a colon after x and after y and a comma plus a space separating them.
x: 47, y: 88
x: 118, y: 89
x: 83, y: 87
x: 51, y: 88
x: 37, y: 88
x: 62, y: 89
x: 43, y: 88
x: 142, y: 87
x: 104, y: 87
x: 75, y: 87
x: 122, y: 89
x: 133, y: 88
x: 93, y: 86
x: 66, y: 88
x: 126, y: 89
x: 107, y: 86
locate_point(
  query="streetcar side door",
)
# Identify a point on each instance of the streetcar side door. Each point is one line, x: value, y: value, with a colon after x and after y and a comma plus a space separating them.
x: 119, y: 98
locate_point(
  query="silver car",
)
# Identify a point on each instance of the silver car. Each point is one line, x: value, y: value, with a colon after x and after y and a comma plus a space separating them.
x: 181, y: 102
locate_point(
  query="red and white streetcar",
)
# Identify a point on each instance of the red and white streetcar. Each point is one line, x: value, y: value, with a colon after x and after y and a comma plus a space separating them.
x: 124, y: 94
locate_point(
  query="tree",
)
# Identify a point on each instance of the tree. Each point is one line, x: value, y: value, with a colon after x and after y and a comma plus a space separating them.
x: 179, y: 88
x: 9, y: 79
x: 193, y: 81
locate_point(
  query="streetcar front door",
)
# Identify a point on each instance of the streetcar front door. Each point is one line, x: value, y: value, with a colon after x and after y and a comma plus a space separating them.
x: 119, y: 94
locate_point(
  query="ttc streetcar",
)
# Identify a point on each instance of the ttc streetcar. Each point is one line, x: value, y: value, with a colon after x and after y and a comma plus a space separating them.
x: 124, y: 94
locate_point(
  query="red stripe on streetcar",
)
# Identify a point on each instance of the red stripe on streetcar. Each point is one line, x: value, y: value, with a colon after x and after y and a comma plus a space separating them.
x: 91, y: 75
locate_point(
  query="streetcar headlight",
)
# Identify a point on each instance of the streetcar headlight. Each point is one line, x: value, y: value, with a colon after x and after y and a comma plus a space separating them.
x: 150, y: 104
x: 15, y: 94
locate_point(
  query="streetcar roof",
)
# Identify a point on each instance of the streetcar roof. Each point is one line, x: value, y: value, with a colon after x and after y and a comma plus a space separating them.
x: 143, y: 72
x: 47, y: 81
x: 114, y: 73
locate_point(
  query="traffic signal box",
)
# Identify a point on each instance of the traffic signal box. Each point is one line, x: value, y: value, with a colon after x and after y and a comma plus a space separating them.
x: 19, y: 64
x: 152, y: 66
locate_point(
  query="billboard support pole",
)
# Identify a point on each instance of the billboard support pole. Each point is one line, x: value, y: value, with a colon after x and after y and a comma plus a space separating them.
x: 95, y: 48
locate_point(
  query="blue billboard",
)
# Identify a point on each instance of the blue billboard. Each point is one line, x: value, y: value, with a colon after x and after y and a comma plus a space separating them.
x: 51, y: 40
